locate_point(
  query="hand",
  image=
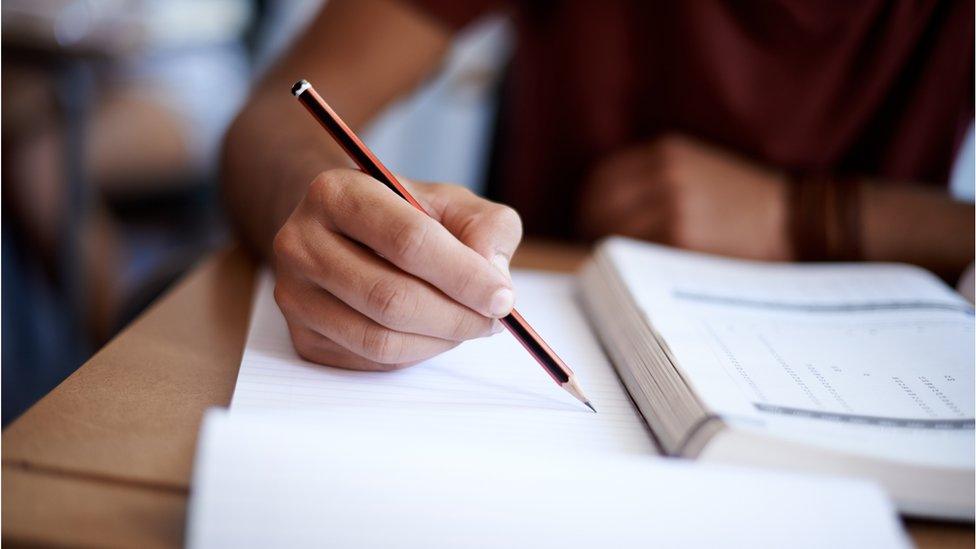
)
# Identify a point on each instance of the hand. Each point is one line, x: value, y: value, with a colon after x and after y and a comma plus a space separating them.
x: 685, y: 193
x: 365, y: 281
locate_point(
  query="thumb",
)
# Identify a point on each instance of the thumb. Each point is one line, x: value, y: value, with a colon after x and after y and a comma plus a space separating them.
x: 491, y: 229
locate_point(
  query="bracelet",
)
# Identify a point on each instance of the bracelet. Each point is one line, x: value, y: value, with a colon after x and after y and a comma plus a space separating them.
x: 825, y: 218
x: 848, y: 218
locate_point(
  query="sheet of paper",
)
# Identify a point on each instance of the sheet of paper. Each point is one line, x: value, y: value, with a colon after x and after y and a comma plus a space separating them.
x: 485, y: 389
x: 266, y: 479
x: 881, y: 353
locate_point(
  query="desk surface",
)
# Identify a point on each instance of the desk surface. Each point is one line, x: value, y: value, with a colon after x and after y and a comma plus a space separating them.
x: 105, y: 458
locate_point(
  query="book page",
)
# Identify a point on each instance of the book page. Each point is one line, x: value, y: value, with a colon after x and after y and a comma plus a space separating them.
x: 271, y: 479
x: 878, y: 351
x: 492, y: 385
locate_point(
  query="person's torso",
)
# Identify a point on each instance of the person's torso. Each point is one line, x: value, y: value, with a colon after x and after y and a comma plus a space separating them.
x: 872, y: 88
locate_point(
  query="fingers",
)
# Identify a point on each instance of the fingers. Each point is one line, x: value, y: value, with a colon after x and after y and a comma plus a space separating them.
x: 315, y: 316
x: 627, y: 195
x: 491, y: 229
x: 367, y: 212
x: 366, y: 281
x: 648, y: 224
x: 314, y: 347
x: 377, y: 289
x: 637, y: 210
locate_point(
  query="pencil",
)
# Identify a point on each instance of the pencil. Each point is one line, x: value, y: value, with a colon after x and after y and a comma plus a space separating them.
x: 367, y: 161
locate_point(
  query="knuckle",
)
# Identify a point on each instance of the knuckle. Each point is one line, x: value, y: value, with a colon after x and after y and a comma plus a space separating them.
x: 292, y: 306
x: 448, y: 190
x: 289, y: 250
x: 305, y: 342
x: 381, y: 345
x: 303, y: 345
x: 408, y: 239
x: 329, y: 189
x: 466, y: 326
x: 307, y: 353
x: 320, y: 187
x: 506, y: 216
x: 389, y: 302
x: 283, y: 298
x: 456, y: 191
x: 284, y: 243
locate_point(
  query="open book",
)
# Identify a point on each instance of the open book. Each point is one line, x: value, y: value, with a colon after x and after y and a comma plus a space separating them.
x: 863, y: 370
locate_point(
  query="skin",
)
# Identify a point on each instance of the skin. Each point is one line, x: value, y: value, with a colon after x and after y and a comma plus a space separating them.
x: 431, y: 283
x: 367, y: 282
x: 666, y: 191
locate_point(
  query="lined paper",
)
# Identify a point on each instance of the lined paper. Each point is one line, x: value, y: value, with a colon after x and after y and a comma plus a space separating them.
x: 485, y: 389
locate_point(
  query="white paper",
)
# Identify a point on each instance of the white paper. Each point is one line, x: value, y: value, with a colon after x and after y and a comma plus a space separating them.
x: 492, y: 384
x: 282, y: 480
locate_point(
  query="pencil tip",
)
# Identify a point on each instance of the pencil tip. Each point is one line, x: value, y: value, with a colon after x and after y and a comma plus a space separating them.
x: 572, y: 387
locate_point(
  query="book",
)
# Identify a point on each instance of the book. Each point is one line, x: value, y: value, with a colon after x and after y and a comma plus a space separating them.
x: 862, y: 370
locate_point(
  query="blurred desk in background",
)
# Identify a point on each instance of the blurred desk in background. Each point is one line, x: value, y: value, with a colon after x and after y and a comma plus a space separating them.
x: 105, y: 459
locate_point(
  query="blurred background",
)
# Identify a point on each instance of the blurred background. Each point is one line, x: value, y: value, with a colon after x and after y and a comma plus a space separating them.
x: 113, y: 113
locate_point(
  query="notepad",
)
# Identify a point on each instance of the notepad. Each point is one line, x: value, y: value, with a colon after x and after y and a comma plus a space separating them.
x: 287, y: 479
x: 492, y: 385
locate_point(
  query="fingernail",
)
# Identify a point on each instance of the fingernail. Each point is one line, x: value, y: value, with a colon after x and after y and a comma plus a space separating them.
x: 501, y: 303
x: 496, y: 327
x: 500, y: 261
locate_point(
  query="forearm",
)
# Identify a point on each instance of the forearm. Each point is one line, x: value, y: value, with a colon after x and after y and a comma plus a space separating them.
x: 275, y: 149
x: 916, y: 225
x: 271, y: 154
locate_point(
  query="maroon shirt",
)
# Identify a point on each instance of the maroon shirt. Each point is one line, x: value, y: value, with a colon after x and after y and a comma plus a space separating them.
x: 866, y: 88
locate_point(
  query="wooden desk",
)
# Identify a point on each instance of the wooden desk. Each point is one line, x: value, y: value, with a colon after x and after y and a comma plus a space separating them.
x: 105, y: 458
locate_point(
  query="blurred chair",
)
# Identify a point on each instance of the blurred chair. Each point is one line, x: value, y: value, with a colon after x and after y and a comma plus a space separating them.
x: 109, y: 139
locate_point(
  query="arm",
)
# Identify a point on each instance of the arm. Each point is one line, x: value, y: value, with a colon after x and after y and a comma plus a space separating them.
x: 692, y: 195
x: 917, y: 225
x: 273, y: 150
x: 363, y: 279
